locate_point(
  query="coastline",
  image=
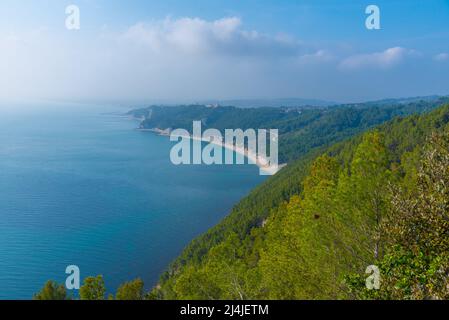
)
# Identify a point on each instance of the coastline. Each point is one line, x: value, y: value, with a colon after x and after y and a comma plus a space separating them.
x: 251, y: 156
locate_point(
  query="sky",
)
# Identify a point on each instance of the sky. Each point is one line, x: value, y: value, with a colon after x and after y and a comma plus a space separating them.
x: 191, y: 50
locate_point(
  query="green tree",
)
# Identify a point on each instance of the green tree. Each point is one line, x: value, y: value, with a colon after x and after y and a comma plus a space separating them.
x: 225, y: 275
x: 132, y: 290
x: 93, y: 288
x: 300, y: 259
x: 362, y: 201
x: 419, y: 228
x: 52, y: 291
x: 417, y: 231
x: 281, y: 263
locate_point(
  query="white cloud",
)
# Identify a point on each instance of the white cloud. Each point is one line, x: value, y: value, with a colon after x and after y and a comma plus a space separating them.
x: 187, y: 58
x: 441, y: 57
x: 221, y: 37
x: 385, y: 59
x: 320, y: 56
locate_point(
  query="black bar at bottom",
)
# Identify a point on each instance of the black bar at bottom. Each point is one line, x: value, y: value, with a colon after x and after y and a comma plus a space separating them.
x: 231, y: 309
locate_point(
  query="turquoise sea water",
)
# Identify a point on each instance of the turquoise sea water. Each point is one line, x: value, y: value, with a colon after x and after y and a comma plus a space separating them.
x: 80, y: 186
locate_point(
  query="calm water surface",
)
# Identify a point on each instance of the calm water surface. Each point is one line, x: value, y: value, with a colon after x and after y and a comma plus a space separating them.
x: 80, y: 186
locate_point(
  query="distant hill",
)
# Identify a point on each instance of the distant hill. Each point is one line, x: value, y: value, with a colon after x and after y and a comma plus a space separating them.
x: 301, y: 128
x: 431, y: 98
x: 258, y: 103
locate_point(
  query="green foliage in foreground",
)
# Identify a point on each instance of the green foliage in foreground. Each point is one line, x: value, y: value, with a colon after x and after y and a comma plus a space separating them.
x: 417, y: 230
x: 52, y: 291
x: 93, y: 288
x: 133, y: 290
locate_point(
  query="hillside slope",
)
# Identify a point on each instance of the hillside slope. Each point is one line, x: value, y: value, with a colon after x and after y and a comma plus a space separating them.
x: 316, y: 244
x: 301, y: 129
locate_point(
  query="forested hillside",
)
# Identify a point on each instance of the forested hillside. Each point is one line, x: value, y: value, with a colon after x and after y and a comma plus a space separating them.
x: 310, y: 232
x: 301, y: 129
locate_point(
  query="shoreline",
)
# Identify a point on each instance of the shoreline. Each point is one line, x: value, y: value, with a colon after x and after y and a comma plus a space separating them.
x: 251, y: 156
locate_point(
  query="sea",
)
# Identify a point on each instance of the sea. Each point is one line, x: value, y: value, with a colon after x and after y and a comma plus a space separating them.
x: 79, y: 185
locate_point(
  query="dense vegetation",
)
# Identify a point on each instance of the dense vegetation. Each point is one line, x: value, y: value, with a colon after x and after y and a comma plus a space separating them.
x: 380, y: 198
x: 340, y: 217
x: 301, y: 129
x: 94, y: 288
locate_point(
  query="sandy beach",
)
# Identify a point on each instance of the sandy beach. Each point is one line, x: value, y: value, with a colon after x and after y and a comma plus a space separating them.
x: 261, y: 162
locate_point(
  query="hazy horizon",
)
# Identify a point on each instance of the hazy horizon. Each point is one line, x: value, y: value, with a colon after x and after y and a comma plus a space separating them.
x: 130, y: 104
x: 176, y: 52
